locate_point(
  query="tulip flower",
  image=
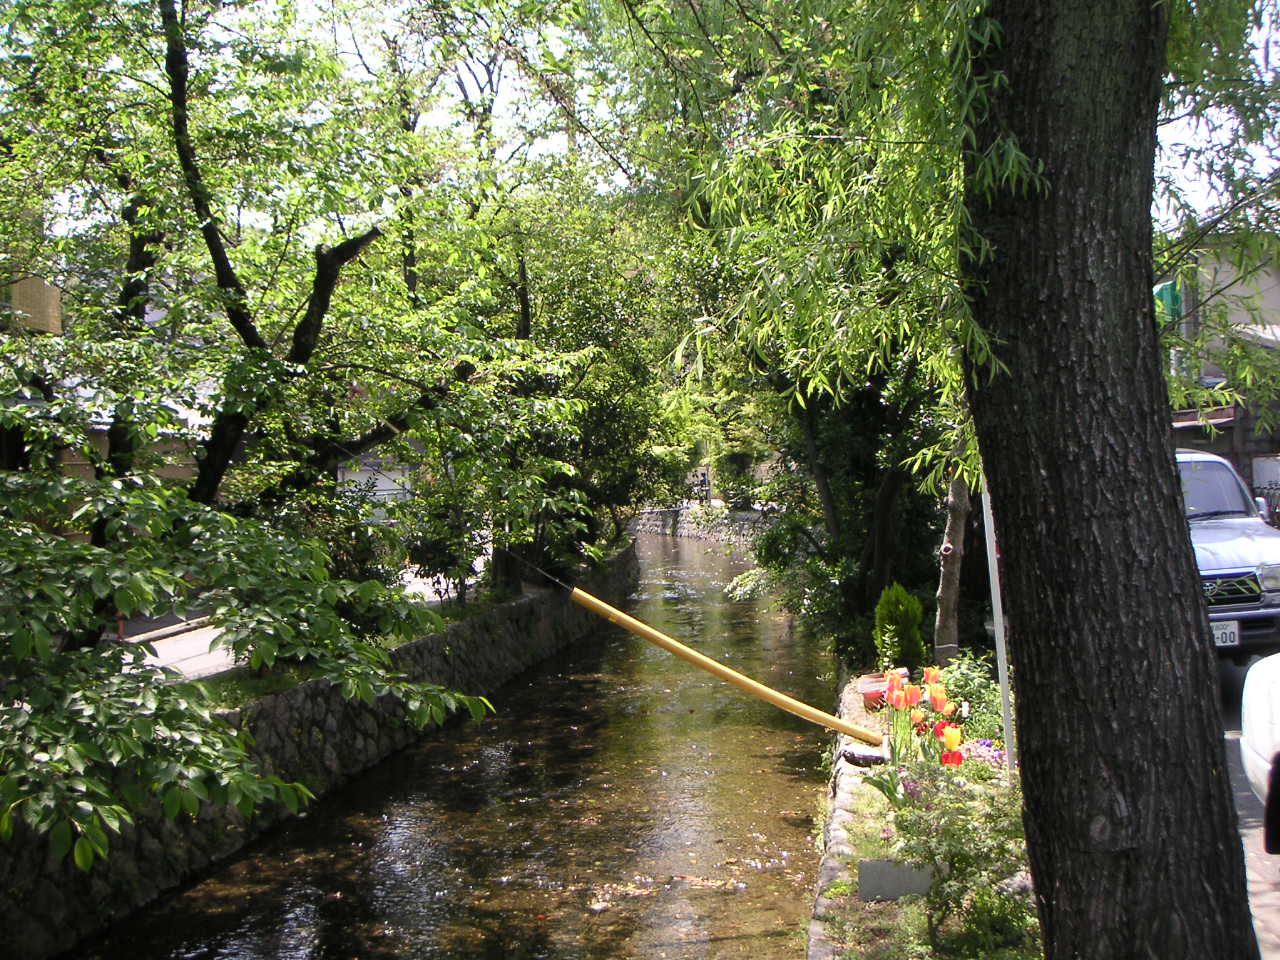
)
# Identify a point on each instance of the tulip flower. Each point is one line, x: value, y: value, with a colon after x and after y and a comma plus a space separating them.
x: 893, y: 680
x: 913, y: 694
x: 937, y: 696
x: 932, y: 675
x: 949, y: 708
x: 952, y: 758
x: 917, y: 717
x: 951, y: 736
x: 939, y: 727
x: 898, y: 699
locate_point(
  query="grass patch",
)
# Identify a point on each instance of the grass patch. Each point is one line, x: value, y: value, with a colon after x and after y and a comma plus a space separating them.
x: 839, y: 888
x: 869, y: 832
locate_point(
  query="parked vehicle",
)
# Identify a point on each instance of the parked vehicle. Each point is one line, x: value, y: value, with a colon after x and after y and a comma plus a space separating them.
x: 1238, y: 554
x: 1260, y: 741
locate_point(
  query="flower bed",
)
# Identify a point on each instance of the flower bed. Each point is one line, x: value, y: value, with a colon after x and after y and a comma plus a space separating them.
x: 950, y: 808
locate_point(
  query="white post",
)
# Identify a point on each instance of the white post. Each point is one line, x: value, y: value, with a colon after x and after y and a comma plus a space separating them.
x: 997, y: 615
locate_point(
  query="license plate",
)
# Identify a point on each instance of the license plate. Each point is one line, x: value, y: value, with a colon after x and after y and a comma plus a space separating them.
x: 1226, y: 633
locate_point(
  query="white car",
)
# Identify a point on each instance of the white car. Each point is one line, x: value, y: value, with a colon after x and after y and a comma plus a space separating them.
x: 1260, y: 741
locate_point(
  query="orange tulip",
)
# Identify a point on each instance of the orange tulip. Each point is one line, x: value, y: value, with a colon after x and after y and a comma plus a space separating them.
x: 949, y: 708
x: 893, y: 679
x: 913, y: 693
x: 897, y: 699
x: 932, y: 675
x: 937, y: 696
x: 917, y: 717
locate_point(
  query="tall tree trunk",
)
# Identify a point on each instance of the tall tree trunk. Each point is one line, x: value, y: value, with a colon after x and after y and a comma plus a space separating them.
x: 946, y: 635
x: 505, y: 571
x: 818, y: 470
x: 881, y: 544
x: 1130, y: 825
x: 524, y: 321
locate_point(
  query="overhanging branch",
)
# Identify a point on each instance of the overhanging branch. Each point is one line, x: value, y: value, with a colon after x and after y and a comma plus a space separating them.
x: 328, y: 453
x: 329, y: 264
x: 177, y: 68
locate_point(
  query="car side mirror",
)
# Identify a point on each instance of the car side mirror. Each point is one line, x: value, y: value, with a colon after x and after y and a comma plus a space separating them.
x: 1271, y: 811
x: 1263, y: 510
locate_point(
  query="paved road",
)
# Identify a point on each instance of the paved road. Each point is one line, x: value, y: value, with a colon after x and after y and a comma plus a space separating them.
x: 189, y: 652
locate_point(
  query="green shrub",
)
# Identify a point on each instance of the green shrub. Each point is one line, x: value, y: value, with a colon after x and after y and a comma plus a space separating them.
x: 734, y: 480
x: 972, y: 679
x: 1000, y: 916
x: 899, y: 642
x: 971, y: 835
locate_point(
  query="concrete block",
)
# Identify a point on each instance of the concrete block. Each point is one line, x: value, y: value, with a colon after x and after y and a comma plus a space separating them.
x: 891, y: 880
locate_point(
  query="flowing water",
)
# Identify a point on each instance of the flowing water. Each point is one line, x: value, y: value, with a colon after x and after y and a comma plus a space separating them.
x: 620, y: 805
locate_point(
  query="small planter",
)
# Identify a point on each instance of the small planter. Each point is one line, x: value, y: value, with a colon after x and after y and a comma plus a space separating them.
x: 873, y: 687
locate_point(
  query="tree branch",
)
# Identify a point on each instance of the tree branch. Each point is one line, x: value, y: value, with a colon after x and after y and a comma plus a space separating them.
x: 327, y: 453
x: 178, y: 69
x: 329, y: 263
x: 1180, y: 250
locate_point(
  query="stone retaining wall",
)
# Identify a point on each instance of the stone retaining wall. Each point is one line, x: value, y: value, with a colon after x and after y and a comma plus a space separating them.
x: 702, y: 523
x: 837, y: 862
x: 310, y: 733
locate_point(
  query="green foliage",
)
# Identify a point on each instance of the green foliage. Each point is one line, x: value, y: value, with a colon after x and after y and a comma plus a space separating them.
x: 838, y: 888
x: 361, y: 546
x: 735, y: 479
x: 971, y: 678
x: 206, y: 321
x: 900, y: 930
x: 971, y: 836
x: 898, y: 640
x: 235, y: 688
x: 88, y: 735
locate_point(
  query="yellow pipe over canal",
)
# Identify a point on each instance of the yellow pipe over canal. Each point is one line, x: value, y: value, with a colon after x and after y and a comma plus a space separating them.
x: 759, y: 690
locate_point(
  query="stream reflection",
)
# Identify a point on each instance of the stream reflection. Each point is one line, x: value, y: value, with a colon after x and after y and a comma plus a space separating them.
x: 621, y: 804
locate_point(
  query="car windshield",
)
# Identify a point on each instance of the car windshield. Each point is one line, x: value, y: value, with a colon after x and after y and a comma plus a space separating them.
x: 1210, y: 489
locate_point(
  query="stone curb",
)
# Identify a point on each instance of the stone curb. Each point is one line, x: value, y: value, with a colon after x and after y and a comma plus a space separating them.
x: 697, y: 522
x: 837, y: 853
x: 163, y: 633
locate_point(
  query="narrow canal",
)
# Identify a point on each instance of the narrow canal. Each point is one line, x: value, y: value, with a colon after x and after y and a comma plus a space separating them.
x: 620, y: 805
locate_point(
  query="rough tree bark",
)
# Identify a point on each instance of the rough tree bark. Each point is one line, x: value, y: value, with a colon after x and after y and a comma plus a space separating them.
x: 1130, y: 824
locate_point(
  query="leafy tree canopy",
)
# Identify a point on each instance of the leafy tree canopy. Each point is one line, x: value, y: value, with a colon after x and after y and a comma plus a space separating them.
x: 286, y: 239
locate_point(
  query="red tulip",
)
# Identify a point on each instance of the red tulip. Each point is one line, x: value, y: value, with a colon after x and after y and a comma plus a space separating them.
x: 952, y: 758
